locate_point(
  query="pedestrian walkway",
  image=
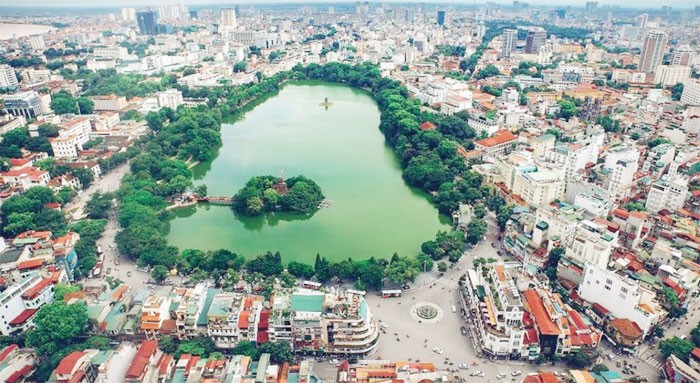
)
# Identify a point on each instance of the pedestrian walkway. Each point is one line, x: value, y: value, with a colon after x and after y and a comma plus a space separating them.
x: 649, y: 356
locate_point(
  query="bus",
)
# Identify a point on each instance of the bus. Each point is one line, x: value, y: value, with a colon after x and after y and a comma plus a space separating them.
x: 391, y: 293
x: 356, y: 292
x: 311, y: 285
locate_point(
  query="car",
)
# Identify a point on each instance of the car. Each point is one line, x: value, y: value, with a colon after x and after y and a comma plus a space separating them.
x: 516, y: 373
x: 463, y: 330
x: 463, y: 366
x: 334, y: 361
x: 477, y: 373
x: 437, y: 350
x: 454, y: 308
x: 128, y: 273
x: 501, y: 375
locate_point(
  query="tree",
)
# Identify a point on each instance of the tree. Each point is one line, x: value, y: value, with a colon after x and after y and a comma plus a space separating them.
x: 567, y: 109
x: 280, y: 352
x: 201, y: 346
x: 475, y: 231
x: 489, y: 71
x: 99, y: 205
x: 167, y: 344
x: 85, y: 105
x: 676, y: 346
x: 677, y: 91
x: 267, y: 264
x: 63, y: 103
x: 159, y: 273
x: 62, y: 289
x: 57, y: 325
x: 239, y: 66
x: 402, y: 270
x: 578, y: 360
x: 442, y: 267
x: 300, y: 270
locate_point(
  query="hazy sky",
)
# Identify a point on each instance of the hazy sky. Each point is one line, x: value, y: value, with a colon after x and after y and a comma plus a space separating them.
x: 108, y: 3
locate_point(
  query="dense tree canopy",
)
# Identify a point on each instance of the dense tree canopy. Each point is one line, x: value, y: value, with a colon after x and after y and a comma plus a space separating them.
x: 298, y: 195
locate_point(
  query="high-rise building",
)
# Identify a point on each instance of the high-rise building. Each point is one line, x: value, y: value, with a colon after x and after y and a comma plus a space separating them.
x: 653, y: 49
x: 228, y: 17
x: 535, y: 40
x: 147, y: 22
x: 441, y: 17
x: 128, y: 14
x: 37, y: 42
x: 8, y: 77
x: 691, y: 93
x: 591, y: 6
x: 683, y: 55
x: 642, y: 20
x: 510, y: 37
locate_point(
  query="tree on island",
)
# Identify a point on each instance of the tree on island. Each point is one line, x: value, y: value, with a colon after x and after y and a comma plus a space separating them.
x: 260, y: 195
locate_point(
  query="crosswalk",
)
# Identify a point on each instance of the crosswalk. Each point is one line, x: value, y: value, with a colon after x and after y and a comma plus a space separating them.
x: 649, y: 356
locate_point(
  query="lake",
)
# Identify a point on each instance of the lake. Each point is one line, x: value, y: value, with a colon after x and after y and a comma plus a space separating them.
x: 373, y: 212
x: 9, y: 31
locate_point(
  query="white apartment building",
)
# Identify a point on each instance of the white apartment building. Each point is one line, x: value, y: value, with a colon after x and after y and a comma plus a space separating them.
x: 171, y: 98
x: 188, y: 311
x: 154, y: 311
x: 109, y: 103
x: 26, y: 177
x: 620, y: 177
x: 483, y: 125
x: 620, y: 295
x: 559, y: 223
x: 592, y: 243
x: 691, y: 92
x: 498, y: 313
x: 573, y: 156
x: 71, y: 137
x: 667, y: 194
x: 596, y: 202
x: 120, y: 53
x: 669, y: 75
x: 628, y: 76
x: 539, y: 187
x: 21, y: 301
x: 8, y: 77
x: 27, y: 104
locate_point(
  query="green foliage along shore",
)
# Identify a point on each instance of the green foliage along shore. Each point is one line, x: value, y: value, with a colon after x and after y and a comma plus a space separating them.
x: 298, y: 195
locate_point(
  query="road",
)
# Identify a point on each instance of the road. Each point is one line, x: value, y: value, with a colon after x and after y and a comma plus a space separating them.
x: 107, y: 183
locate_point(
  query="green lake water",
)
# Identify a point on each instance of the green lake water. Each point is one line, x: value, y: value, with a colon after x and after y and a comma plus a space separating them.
x: 374, y: 212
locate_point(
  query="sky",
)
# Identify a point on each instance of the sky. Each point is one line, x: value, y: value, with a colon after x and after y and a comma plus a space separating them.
x: 119, y: 3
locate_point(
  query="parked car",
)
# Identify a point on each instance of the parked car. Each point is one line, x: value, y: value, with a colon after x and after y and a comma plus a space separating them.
x: 463, y: 366
x: 437, y: 350
x: 477, y: 373
x: 501, y: 375
x: 516, y: 373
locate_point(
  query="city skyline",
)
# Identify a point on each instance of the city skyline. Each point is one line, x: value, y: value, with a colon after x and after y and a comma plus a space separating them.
x: 143, y: 3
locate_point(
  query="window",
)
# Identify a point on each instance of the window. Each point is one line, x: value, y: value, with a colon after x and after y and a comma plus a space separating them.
x: 608, y: 282
x: 607, y: 287
x: 623, y: 289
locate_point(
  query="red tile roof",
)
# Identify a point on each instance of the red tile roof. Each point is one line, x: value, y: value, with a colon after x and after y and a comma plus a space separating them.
x: 536, y: 307
x: 500, y: 137
x: 30, y: 264
x: 67, y: 364
x: 7, y: 351
x: 143, y: 355
x: 21, y: 373
x: 427, y: 126
x: 23, y: 316
x: 243, y: 319
x: 37, y: 289
x: 627, y: 327
x: 695, y: 354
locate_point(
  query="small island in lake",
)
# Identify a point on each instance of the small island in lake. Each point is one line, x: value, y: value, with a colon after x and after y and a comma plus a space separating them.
x: 263, y: 194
